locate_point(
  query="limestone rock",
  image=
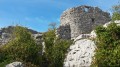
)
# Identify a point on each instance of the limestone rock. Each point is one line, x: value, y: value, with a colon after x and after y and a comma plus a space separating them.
x: 5, y: 37
x: 117, y: 22
x: 82, y: 36
x: 81, y: 20
x: 93, y: 34
x: 15, y: 64
x: 80, y: 53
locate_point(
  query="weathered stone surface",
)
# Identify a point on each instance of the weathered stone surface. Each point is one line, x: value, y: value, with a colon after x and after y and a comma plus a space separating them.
x: 15, y: 64
x: 81, y: 20
x: 64, y: 32
x: 5, y: 37
x: 38, y: 38
x: 116, y: 21
x: 80, y: 53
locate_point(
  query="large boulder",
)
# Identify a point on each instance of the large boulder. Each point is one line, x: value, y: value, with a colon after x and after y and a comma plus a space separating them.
x: 15, y: 64
x: 81, y: 52
x: 116, y: 21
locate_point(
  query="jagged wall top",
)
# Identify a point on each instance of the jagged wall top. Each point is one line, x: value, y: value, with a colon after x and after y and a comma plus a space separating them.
x: 81, y: 20
x: 81, y: 10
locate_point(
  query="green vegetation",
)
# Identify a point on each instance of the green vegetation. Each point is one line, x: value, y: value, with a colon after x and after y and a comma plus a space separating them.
x: 116, y: 8
x: 116, y: 16
x: 21, y: 48
x: 55, y: 49
x: 108, y: 43
x: 108, y: 46
x: 10, y: 30
x: 116, y: 12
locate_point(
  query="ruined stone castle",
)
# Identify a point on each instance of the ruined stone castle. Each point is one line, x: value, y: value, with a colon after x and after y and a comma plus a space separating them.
x: 80, y: 20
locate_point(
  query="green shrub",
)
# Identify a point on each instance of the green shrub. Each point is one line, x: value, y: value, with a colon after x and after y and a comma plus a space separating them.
x: 22, y: 48
x: 59, y: 51
x: 116, y: 12
x: 108, y: 46
x: 55, y: 50
x: 116, y: 16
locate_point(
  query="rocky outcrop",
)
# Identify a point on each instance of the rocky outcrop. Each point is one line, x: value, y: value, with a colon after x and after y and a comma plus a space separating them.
x: 10, y: 29
x: 15, y: 64
x: 117, y: 22
x: 81, y: 52
x: 77, y: 23
x: 38, y: 38
x: 5, y: 35
x: 81, y: 20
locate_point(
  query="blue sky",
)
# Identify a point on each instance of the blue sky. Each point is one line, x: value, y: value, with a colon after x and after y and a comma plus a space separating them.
x: 37, y: 14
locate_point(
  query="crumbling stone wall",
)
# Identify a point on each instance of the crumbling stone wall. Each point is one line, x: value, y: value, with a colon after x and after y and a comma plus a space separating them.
x: 81, y: 20
x: 64, y: 32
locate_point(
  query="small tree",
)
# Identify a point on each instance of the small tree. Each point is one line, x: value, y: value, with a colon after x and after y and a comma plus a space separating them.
x: 116, y: 8
x: 59, y: 52
x: 52, y: 25
x: 116, y: 16
x: 55, y: 49
x: 116, y: 12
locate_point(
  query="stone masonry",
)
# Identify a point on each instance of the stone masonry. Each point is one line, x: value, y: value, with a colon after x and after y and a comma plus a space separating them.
x: 81, y: 20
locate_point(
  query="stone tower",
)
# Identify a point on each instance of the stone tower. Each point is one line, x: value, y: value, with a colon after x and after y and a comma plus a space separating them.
x: 81, y: 20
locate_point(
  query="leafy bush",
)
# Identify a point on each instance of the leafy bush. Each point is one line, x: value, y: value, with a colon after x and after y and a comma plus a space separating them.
x: 116, y: 12
x: 116, y: 16
x: 59, y: 51
x: 22, y: 48
x: 108, y: 46
x: 55, y: 50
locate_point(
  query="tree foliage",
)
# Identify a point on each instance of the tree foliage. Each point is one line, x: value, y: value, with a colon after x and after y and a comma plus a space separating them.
x: 116, y: 16
x: 108, y: 46
x: 116, y: 8
x: 21, y: 48
x: 53, y: 25
x: 55, y: 49
x: 116, y: 12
